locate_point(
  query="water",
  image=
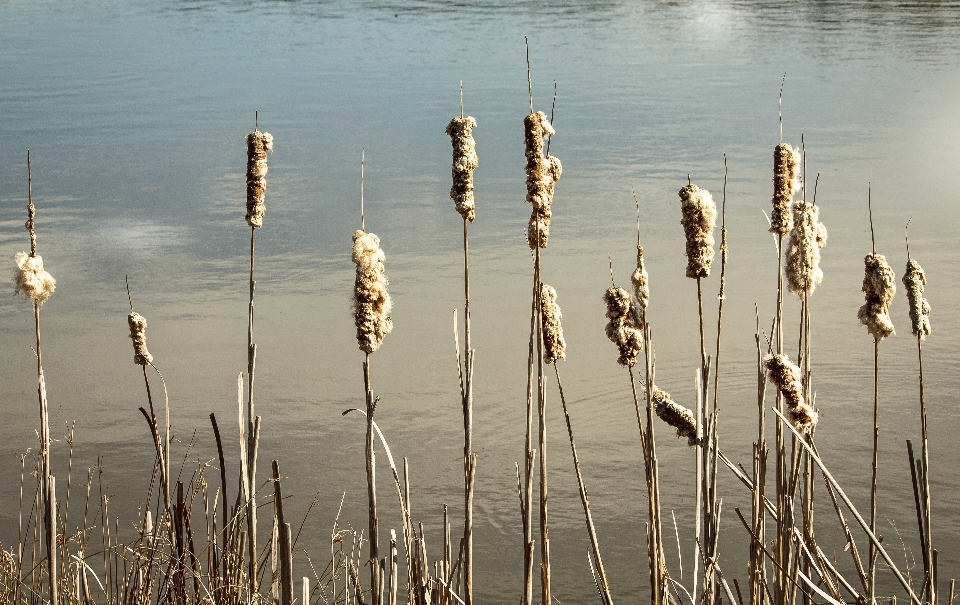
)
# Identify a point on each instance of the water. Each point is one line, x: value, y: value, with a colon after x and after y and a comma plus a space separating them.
x: 135, y: 114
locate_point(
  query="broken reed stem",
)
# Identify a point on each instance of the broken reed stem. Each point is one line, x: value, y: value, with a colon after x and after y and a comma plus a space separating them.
x: 585, y: 500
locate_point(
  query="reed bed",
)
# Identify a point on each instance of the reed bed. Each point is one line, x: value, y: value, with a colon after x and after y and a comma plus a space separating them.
x: 197, y: 539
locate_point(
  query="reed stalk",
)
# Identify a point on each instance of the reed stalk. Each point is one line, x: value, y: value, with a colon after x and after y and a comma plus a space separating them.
x: 464, y: 162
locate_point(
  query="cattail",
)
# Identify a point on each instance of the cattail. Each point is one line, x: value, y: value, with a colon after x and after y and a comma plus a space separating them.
x: 786, y: 376
x: 138, y: 333
x: 808, y: 236
x: 30, y: 278
x: 258, y: 144
x: 624, y: 328
x: 879, y: 287
x: 699, y: 219
x: 913, y: 280
x: 371, y: 302
x: 640, y: 281
x: 676, y: 416
x: 465, y: 160
x: 786, y: 183
x: 542, y: 175
x: 554, y: 347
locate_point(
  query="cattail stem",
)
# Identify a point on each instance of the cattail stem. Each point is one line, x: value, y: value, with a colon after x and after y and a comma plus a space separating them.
x: 469, y: 458
x: 872, y: 559
x: 374, y: 523
x: 928, y: 538
x: 251, y: 503
x: 585, y: 500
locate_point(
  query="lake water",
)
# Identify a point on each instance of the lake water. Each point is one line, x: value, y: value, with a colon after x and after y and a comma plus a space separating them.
x: 135, y: 113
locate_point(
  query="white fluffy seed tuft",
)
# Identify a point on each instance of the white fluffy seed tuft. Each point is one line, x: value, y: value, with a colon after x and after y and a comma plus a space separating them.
x: 371, y: 301
x: 30, y: 278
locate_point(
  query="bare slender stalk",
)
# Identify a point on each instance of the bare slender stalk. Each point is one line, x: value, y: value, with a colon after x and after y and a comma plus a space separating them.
x: 602, y: 583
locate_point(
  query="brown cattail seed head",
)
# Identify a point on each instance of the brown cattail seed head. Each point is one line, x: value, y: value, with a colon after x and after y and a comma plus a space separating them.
x: 624, y: 328
x: 913, y: 280
x: 676, y: 416
x: 803, y: 253
x: 138, y: 333
x: 554, y: 347
x: 788, y: 379
x: 879, y: 286
x: 30, y: 278
x: 640, y: 281
x: 258, y: 144
x: 465, y: 160
x: 542, y: 175
x: 699, y: 218
x: 371, y: 302
x: 786, y: 183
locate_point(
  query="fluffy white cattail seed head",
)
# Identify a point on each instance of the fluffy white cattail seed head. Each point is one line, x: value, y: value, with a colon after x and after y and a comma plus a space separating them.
x: 554, y: 347
x: 913, y: 280
x: 808, y: 236
x: 30, y: 278
x: 138, y: 333
x: 542, y: 175
x: 641, y: 281
x: 699, y: 218
x: 788, y: 379
x: 879, y: 286
x: 465, y: 160
x: 786, y: 183
x: 676, y: 416
x: 624, y: 328
x: 371, y: 302
x: 258, y: 144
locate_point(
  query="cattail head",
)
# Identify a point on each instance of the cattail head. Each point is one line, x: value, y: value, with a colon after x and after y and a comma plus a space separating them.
x: 879, y: 286
x: 138, y: 333
x: 258, y: 144
x: 30, y: 278
x: 913, y: 280
x: 371, y: 302
x: 699, y: 219
x: 640, y: 281
x: 554, y: 347
x: 542, y: 175
x: 788, y: 379
x: 624, y: 328
x: 786, y: 183
x: 676, y: 416
x: 465, y: 160
x: 808, y: 236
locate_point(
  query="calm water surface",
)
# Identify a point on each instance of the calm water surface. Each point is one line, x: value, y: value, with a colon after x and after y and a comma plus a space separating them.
x: 135, y: 113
